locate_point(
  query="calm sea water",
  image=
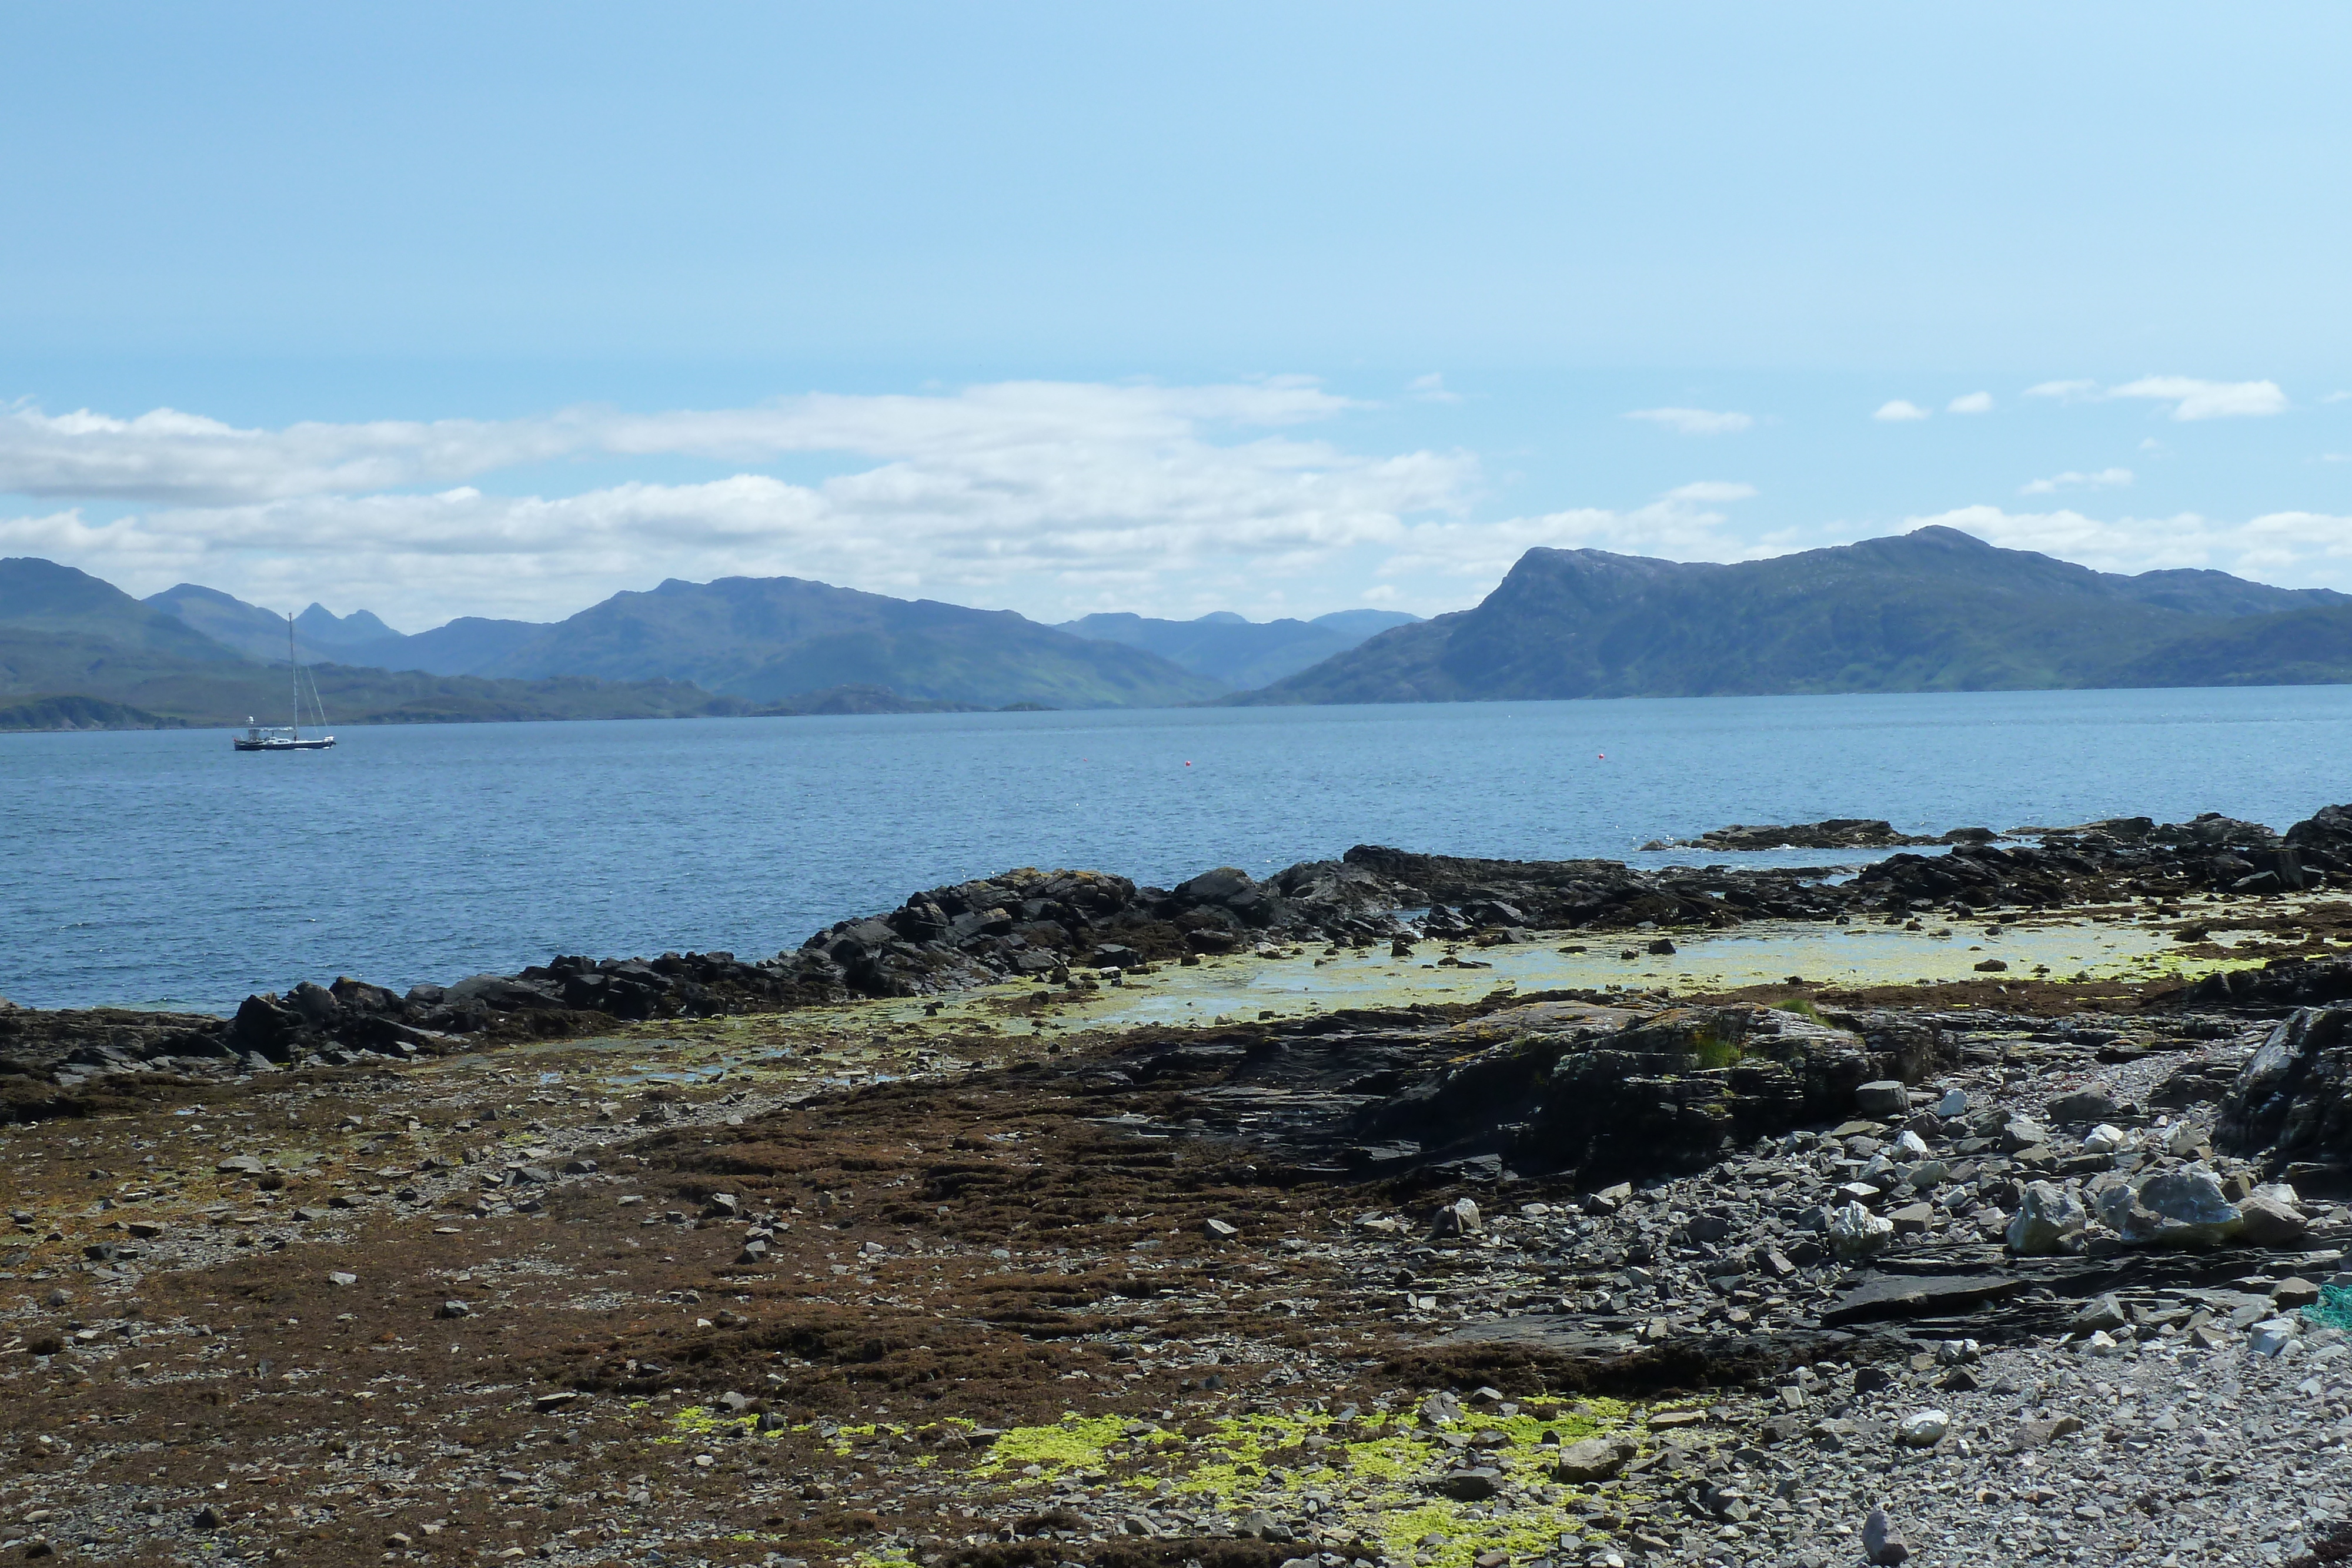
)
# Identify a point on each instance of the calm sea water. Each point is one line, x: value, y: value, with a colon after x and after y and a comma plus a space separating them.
x: 162, y: 869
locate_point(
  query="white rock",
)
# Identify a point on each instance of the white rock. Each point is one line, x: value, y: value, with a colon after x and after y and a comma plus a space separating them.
x: 1908, y: 1146
x: 2102, y: 1139
x: 1925, y: 1428
x: 1955, y: 1103
x: 1927, y: 1175
x: 2272, y: 1335
x: 2183, y: 1141
x: 1855, y: 1232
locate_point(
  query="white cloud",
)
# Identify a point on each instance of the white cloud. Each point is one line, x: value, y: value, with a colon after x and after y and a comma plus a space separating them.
x: 1431, y: 388
x: 2300, y: 549
x: 2192, y: 399
x: 1971, y: 402
x: 1043, y: 493
x: 167, y: 455
x: 2106, y: 478
x: 2338, y: 397
x: 1898, y: 410
x: 1695, y: 420
x: 1681, y: 525
x: 2066, y: 392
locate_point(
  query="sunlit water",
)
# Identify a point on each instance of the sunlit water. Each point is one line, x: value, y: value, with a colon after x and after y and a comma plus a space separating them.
x: 161, y: 868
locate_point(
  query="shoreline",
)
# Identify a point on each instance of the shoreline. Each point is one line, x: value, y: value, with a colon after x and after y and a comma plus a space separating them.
x: 1384, y: 1259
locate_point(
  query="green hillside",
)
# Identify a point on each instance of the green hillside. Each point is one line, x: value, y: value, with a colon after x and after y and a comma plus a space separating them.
x: 1934, y: 610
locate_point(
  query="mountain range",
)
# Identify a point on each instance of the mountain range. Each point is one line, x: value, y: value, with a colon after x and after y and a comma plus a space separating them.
x: 1933, y: 609
x: 76, y: 652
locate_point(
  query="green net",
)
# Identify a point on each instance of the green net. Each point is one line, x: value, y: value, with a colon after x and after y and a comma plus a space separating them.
x: 2333, y: 1310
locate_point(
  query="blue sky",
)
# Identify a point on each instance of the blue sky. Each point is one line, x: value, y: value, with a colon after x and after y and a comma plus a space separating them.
x: 496, y: 310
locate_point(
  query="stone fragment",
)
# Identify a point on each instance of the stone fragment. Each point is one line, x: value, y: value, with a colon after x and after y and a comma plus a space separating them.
x: 1475, y: 1484
x: 2100, y: 1312
x: 341, y: 1278
x: 2292, y: 1293
x: 1954, y: 1105
x: 2048, y: 1219
x: 2093, y: 1104
x: 1855, y: 1232
x: 2047, y: 1429
x: 2018, y: 1134
x: 1880, y: 1543
x: 1460, y: 1217
x: 2104, y: 1139
x: 2272, y: 1335
x: 1592, y: 1459
x: 1924, y: 1428
x: 1882, y: 1099
x: 241, y: 1164
x: 2267, y: 1222
x: 457, y: 1310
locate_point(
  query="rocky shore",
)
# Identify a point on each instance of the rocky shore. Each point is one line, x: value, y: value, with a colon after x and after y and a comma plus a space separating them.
x: 1026, y: 924
x: 841, y: 1256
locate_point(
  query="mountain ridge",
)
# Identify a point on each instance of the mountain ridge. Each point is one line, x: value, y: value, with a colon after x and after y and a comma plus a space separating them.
x: 1933, y: 609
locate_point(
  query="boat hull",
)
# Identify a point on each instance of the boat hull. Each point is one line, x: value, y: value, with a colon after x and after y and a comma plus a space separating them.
x: 244, y: 744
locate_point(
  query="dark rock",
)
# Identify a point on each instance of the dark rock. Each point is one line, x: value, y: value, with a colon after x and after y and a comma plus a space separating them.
x: 1883, y: 1296
x: 2294, y: 1098
x: 1473, y: 1485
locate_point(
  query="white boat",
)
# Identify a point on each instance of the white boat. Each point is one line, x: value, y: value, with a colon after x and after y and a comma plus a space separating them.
x: 287, y: 737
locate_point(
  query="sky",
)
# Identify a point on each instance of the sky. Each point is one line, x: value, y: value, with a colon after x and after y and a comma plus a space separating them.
x: 445, y: 310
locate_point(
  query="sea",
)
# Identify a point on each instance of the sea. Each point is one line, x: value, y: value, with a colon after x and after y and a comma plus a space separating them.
x: 160, y: 869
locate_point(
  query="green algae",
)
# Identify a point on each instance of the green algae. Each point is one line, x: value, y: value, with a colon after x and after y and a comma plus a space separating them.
x: 1372, y: 1478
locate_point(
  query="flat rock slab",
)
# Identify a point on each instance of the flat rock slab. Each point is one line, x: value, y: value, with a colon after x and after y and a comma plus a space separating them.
x: 1911, y: 1296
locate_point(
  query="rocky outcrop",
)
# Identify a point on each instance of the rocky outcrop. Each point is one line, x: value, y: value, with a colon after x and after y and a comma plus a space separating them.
x: 1668, y: 1092
x: 1830, y: 833
x: 2294, y: 1098
x: 2281, y: 983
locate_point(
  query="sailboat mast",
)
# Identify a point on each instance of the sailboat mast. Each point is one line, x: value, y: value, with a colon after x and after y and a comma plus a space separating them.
x: 297, y: 670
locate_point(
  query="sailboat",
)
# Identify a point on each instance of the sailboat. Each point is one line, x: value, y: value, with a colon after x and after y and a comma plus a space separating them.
x: 269, y: 738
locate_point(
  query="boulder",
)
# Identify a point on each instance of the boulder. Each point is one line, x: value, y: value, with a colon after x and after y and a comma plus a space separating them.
x: 1594, y: 1460
x: 1924, y: 1428
x: 1855, y: 1232
x: 2269, y: 1222
x: 2180, y: 1208
x: 2048, y: 1219
x: 1886, y: 1100
x: 2293, y: 1097
x: 2093, y: 1104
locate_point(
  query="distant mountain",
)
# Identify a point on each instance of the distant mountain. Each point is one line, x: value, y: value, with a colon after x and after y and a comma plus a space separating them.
x: 1240, y: 653
x: 1934, y: 610
x: 465, y: 646
x: 766, y: 638
x: 260, y: 634
x: 77, y: 652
